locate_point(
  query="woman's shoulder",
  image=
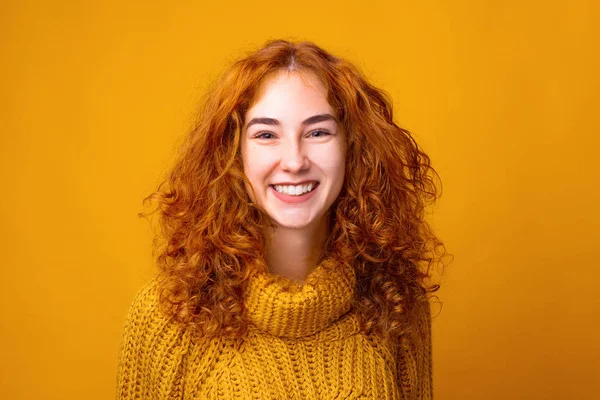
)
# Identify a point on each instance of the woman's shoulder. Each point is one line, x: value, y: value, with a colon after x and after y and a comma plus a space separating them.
x: 145, y: 299
x: 145, y: 315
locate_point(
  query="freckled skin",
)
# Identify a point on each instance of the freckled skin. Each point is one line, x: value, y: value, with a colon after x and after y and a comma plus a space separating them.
x: 291, y: 151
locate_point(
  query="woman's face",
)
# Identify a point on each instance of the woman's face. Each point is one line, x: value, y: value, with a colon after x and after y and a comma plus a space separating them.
x: 293, y: 150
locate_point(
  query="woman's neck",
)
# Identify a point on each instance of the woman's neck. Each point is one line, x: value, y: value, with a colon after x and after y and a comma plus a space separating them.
x: 294, y: 253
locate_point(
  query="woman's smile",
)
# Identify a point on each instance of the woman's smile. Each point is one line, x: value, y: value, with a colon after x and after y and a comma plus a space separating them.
x: 295, y: 194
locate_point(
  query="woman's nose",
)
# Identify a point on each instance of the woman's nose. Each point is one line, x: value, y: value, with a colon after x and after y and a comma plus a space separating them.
x: 293, y: 157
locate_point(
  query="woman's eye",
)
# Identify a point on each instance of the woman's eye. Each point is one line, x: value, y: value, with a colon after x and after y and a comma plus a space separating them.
x: 319, y: 133
x: 265, y: 135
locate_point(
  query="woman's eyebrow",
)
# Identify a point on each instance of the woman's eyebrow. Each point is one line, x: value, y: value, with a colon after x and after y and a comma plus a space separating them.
x: 308, y: 121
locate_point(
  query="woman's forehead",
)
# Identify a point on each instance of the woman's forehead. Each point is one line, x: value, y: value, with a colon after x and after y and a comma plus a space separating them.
x: 290, y: 94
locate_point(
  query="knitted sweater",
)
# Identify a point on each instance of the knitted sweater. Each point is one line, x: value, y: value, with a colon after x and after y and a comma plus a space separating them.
x: 303, y: 342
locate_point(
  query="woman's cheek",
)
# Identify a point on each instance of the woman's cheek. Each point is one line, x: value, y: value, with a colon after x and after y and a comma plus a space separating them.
x: 267, y: 158
x: 331, y: 158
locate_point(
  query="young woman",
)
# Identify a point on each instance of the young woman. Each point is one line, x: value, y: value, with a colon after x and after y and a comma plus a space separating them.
x: 295, y: 258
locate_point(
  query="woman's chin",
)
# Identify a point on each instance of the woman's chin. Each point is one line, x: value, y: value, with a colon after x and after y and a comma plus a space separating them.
x: 287, y: 224
x: 295, y: 222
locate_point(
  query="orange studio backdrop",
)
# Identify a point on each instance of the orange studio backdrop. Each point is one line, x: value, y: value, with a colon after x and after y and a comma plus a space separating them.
x: 503, y: 95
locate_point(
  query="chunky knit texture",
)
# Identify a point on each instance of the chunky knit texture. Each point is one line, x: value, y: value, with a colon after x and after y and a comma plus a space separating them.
x: 304, y: 342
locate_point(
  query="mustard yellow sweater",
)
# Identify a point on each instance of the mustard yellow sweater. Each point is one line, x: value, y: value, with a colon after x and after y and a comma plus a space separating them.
x: 304, y: 343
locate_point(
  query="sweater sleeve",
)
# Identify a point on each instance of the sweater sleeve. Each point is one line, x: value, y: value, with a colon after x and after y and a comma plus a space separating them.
x: 415, y: 358
x: 139, y: 354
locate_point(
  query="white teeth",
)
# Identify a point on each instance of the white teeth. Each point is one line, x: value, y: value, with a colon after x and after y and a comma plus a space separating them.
x: 295, y: 190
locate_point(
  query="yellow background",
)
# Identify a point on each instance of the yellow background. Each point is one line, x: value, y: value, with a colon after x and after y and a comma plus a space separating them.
x: 504, y: 95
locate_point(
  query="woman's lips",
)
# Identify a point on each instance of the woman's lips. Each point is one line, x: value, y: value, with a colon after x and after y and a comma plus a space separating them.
x: 294, y: 199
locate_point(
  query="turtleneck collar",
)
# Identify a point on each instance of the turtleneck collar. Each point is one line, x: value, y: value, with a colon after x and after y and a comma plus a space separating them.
x: 282, y: 307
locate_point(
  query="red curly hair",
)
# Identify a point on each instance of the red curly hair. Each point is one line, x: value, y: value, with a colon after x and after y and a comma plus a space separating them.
x: 212, y: 233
